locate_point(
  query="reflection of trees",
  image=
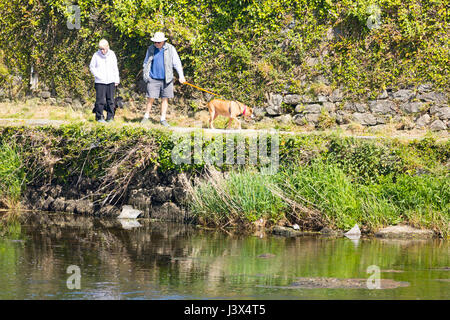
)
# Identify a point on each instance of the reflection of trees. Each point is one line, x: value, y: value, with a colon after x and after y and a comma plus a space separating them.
x: 169, y: 258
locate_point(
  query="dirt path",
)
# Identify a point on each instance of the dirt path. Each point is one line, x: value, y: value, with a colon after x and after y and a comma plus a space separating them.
x: 46, y: 122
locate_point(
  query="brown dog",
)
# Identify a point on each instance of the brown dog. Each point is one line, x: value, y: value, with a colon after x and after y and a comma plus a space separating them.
x: 227, y: 108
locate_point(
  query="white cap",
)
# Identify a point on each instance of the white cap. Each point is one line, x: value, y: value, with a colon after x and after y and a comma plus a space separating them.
x: 158, y: 37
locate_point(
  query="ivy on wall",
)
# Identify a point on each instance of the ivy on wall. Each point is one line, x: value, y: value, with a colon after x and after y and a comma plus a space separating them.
x: 238, y: 48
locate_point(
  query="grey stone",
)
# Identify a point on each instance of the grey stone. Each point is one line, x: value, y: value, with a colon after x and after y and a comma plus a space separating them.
x: 292, y: 99
x: 361, y: 107
x: 336, y: 95
x: 71, y: 205
x: 426, y: 87
x: 275, y: 100
x: 438, y: 125
x: 284, y: 119
x: 330, y: 34
x: 109, y: 211
x: 312, y: 117
x: 321, y: 98
x: 128, y: 212
x: 46, y: 206
x: 423, y: 121
x: 404, y: 232
x: 378, y: 128
x: 84, y: 207
x: 77, y: 105
x: 52, y: 101
x: 329, y: 106
x: 356, y: 107
x: 162, y: 194
x: 434, y: 109
x: 308, y: 99
x: 179, y: 195
x: 383, y: 95
x: 273, y: 110
x: 300, y: 120
x: 288, y: 232
x: 382, y: 107
x: 403, y: 95
x: 312, y: 108
x: 259, y: 112
x: 168, y: 211
x: 68, y: 100
x: 342, y: 117
x: 59, y: 204
x: 366, y: 119
x: 140, y: 199
x: 349, y: 106
x: 436, y: 97
x: 330, y: 232
x: 381, y: 120
x: 444, y: 113
x: 411, y: 107
x: 299, y: 108
x: 45, y: 94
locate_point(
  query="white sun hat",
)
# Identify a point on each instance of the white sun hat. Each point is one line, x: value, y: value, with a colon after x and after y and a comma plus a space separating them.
x: 158, y: 37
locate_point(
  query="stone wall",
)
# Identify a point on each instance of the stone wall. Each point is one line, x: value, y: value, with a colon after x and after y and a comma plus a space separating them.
x: 420, y: 108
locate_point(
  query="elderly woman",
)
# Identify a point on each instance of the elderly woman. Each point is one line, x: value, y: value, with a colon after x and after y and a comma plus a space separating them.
x: 104, y: 68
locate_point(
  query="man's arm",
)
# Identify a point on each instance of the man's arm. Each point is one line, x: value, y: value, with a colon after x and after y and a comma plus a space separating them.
x: 177, y: 66
x: 146, y: 57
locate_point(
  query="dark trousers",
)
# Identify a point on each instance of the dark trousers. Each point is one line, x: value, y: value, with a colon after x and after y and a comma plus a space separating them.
x: 104, y: 100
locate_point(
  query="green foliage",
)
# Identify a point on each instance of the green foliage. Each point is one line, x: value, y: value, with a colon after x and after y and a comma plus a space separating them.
x: 239, y: 49
x: 242, y: 197
x: 348, y: 180
x: 364, y: 161
x: 12, y: 173
x: 327, y: 188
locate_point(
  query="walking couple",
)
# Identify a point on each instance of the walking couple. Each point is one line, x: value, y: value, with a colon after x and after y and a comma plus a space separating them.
x: 160, y: 60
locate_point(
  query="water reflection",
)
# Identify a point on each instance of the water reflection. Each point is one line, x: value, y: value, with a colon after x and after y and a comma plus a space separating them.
x: 170, y: 261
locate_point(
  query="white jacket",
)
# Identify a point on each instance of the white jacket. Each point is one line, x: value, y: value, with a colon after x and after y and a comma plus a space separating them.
x: 104, y: 67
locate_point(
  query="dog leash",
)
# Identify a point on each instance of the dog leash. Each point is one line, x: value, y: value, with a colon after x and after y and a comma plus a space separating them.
x: 192, y: 85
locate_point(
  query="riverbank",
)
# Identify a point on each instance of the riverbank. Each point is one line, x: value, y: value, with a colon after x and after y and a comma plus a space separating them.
x: 320, y: 180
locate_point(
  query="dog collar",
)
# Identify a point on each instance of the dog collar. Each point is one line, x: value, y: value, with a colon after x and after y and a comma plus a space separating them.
x: 243, y: 113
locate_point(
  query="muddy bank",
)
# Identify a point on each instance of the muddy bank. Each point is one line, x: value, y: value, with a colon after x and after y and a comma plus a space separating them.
x: 323, y: 183
x: 158, y: 196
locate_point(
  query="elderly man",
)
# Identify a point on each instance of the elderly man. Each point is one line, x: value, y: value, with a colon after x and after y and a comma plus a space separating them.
x: 104, y: 68
x: 160, y: 60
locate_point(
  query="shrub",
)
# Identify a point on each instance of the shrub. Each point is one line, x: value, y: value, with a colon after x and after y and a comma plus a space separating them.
x: 12, y: 175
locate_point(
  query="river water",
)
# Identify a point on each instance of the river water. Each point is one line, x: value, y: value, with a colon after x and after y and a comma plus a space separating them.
x: 158, y: 260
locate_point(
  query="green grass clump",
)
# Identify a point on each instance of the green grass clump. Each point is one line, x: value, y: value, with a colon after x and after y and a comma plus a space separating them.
x: 12, y: 174
x: 242, y: 197
x: 344, y: 203
x: 421, y: 201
